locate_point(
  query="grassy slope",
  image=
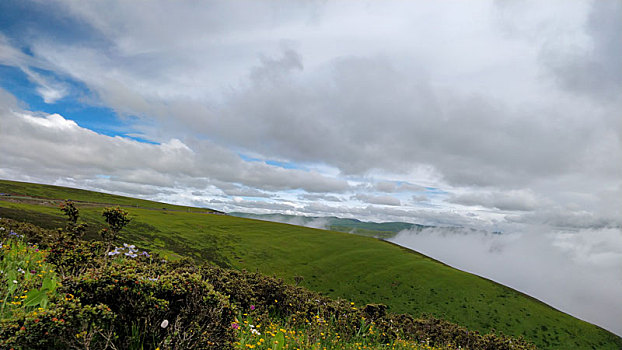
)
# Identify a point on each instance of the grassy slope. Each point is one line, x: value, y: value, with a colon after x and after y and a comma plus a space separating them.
x: 370, y: 229
x: 341, y: 265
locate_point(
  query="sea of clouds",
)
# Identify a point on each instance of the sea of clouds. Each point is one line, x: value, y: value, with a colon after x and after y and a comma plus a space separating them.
x: 578, y: 272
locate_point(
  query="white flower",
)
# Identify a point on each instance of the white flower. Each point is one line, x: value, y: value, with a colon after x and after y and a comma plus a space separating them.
x: 164, y: 324
x: 256, y: 332
x: 14, y: 281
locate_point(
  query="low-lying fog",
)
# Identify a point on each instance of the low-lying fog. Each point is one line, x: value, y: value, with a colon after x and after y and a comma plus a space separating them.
x: 577, y: 272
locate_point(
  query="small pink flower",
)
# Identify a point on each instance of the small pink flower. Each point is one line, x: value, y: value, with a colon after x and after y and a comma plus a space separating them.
x: 252, y: 307
x: 235, y: 326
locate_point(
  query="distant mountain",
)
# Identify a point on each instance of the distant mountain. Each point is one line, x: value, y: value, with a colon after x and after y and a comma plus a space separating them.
x: 382, y: 230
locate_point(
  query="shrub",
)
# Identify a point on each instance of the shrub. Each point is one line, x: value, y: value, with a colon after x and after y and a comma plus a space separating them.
x: 117, y: 219
x: 32, y: 233
x: 143, y: 296
x: 66, y: 325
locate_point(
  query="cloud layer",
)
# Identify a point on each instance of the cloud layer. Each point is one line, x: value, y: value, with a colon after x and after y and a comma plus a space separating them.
x: 577, y: 272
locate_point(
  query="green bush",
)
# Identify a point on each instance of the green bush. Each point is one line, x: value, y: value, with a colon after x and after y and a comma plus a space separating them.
x: 32, y: 233
x: 66, y: 325
x: 143, y: 296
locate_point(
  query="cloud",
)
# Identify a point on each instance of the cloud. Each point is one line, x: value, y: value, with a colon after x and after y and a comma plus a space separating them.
x: 390, y: 186
x: 52, y: 145
x: 320, y: 223
x: 593, y: 69
x: 320, y: 197
x: 581, y: 268
x: 418, y: 198
x: 510, y: 200
x: 50, y: 90
x: 382, y: 200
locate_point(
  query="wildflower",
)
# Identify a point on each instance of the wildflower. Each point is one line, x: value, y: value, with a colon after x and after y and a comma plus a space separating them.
x: 164, y: 324
x: 130, y: 247
x: 131, y: 254
x: 144, y: 254
x: 114, y: 252
x: 235, y: 326
x: 255, y: 332
x: 14, y: 281
x: 252, y: 307
x: 19, y: 269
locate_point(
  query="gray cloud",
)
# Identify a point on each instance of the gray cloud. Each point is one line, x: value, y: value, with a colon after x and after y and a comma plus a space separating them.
x: 382, y: 200
x: 320, y: 197
x: 389, y: 187
x: 511, y: 200
x: 246, y: 192
x: 594, y: 69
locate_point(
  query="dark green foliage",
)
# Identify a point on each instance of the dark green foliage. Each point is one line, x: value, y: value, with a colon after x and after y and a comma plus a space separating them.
x: 32, y: 233
x: 72, y: 257
x: 66, y: 325
x: 117, y: 219
x: 143, y: 295
x: 67, y: 252
x: 74, y: 229
x: 69, y: 209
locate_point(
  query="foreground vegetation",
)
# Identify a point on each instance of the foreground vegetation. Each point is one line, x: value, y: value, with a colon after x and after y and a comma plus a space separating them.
x: 60, y: 291
x: 339, y: 265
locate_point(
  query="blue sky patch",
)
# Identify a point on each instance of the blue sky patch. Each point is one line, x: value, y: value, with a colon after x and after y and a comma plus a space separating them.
x: 99, y: 119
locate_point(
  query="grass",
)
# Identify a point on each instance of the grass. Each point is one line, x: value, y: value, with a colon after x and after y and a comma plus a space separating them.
x: 337, y: 264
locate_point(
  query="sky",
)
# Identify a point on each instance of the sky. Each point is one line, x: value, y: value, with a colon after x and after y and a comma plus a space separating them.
x: 502, y: 116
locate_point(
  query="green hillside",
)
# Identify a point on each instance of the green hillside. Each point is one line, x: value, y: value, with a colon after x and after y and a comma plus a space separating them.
x: 359, y: 268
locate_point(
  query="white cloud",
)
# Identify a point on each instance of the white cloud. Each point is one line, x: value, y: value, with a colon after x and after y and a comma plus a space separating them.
x: 50, y: 90
x: 511, y: 200
x: 55, y: 147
